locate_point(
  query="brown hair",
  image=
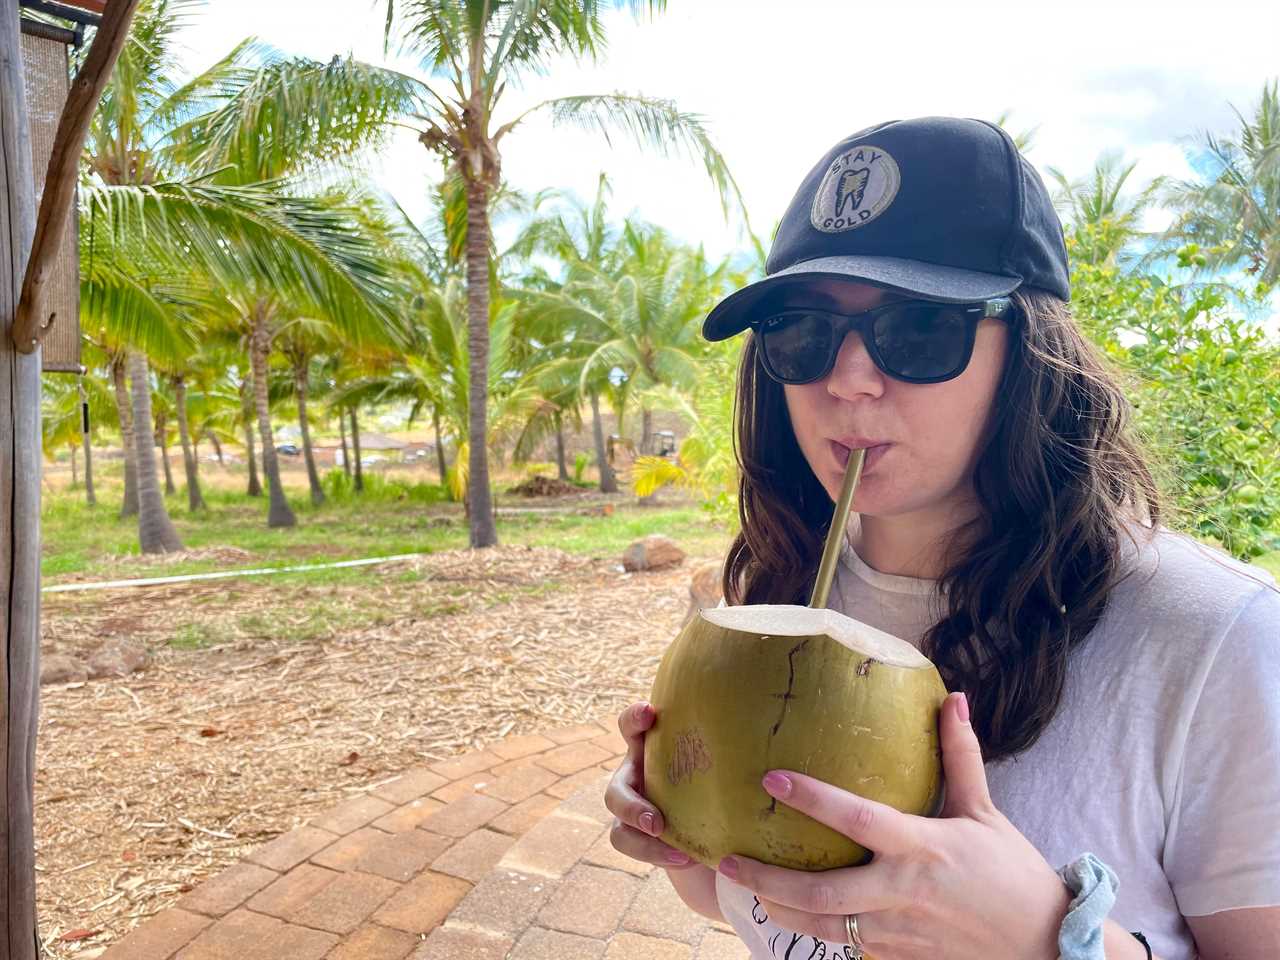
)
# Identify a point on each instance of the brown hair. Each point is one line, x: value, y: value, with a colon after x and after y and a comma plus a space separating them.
x: 1059, y: 481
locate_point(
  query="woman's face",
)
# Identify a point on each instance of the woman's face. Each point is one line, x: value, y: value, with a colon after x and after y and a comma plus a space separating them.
x: 928, y: 434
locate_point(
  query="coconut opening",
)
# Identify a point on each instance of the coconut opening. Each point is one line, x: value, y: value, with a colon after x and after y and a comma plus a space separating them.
x: 792, y: 620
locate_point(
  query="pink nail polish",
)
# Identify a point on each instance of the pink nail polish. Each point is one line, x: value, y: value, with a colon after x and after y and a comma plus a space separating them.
x: 962, y: 708
x: 777, y: 784
x: 677, y: 857
x: 729, y: 867
x: 646, y: 823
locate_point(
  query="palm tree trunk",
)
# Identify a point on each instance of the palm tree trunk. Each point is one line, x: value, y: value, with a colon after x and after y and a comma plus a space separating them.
x: 646, y: 430
x: 217, y: 447
x: 190, y: 459
x: 156, y: 533
x: 564, y: 470
x: 279, y: 513
x: 484, y: 532
x: 346, y: 454
x: 355, y: 450
x: 313, y: 476
x: 88, y: 448
x: 246, y: 407
x: 608, y: 483
x: 162, y: 441
x: 129, y: 506
x: 435, y: 423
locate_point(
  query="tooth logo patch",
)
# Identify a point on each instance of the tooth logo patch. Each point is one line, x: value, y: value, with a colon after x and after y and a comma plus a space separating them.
x: 857, y: 187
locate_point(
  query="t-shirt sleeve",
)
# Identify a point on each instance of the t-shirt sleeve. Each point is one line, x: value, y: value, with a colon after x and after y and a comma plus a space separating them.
x: 1222, y: 848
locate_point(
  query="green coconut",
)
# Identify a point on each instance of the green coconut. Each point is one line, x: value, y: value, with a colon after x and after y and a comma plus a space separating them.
x: 747, y: 689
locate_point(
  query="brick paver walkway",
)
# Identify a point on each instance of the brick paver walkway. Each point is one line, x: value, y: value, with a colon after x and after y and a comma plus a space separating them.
x: 499, y: 853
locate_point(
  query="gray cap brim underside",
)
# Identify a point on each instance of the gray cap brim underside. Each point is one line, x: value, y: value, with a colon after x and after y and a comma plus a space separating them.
x: 929, y: 280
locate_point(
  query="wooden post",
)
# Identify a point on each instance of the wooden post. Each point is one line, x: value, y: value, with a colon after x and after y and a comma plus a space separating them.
x: 20, y: 464
x: 31, y: 322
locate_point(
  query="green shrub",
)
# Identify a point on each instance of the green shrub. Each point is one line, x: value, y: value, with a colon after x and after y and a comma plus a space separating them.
x: 1203, y: 385
x: 380, y: 487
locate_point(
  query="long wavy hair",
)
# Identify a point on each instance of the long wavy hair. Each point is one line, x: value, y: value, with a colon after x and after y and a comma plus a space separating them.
x: 1059, y: 481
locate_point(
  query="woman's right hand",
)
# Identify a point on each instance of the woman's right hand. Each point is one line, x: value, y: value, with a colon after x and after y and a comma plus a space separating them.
x: 638, y: 823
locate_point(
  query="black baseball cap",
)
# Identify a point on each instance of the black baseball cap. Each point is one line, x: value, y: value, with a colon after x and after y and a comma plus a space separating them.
x: 943, y: 208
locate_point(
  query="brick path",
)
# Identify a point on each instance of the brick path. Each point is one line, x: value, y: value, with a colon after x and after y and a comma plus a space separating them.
x: 500, y: 853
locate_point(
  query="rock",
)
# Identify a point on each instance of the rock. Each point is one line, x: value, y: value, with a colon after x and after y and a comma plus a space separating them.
x: 60, y: 668
x: 117, y: 659
x: 704, y: 587
x: 653, y: 552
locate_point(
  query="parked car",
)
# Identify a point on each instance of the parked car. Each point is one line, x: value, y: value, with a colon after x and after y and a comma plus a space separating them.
x: 288, y: 449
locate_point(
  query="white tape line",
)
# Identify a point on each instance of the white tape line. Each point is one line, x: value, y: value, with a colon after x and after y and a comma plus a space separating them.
x: 223, y: 574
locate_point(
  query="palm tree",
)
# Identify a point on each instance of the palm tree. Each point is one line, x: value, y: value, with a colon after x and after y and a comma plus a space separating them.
x: 156, y: 532
x: 190, y: 464
x: 290, y: 118
x: 477, y: 47
x: 628, y: 327
x: 300, y: 340
x: 1022, y: 139
x: 246, y: 422
x: 1233, y: 214
x: 1100, y: 222
x: 433, y: 375
x: 125, y: 306
x: 251, y: 119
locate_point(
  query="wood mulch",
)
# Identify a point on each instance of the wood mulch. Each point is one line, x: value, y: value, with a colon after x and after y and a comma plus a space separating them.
x: 148, y: 785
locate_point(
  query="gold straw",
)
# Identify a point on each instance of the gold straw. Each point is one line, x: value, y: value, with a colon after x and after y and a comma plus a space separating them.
x: 835, y: 535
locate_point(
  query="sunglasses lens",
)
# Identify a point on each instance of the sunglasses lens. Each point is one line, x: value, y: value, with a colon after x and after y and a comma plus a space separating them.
x: 921, y: 341
x: 797, y: 345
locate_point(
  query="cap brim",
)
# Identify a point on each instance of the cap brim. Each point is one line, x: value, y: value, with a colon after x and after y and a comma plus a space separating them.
x: 929, y: 280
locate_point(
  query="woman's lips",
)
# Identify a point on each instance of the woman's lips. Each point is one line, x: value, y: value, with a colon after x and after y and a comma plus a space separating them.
x: 841, y: 453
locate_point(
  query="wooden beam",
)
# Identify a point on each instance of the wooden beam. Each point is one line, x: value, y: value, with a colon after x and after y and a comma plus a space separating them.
x: 20, y: 464
x: 32, y: 320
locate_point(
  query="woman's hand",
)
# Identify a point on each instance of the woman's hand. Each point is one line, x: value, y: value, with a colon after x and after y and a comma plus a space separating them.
x: 638, y: 823
x: 965, y: 885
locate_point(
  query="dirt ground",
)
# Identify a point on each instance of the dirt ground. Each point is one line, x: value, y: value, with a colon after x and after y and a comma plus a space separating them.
x: 148, y: 785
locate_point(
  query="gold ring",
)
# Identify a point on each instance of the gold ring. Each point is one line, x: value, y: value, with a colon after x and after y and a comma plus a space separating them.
x: 851, y: 928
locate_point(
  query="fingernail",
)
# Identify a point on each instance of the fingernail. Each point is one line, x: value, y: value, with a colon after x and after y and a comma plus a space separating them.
x: 962, y: 708
x: 729, y: 867
x: 647, y: 824
x: 777, y: 784
x: 677, y: 857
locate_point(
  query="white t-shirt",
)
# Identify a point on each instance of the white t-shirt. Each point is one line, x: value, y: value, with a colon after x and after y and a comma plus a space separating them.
x: 1163, y: 760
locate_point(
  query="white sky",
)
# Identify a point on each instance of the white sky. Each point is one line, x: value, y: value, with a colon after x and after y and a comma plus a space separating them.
x: 779, y: 83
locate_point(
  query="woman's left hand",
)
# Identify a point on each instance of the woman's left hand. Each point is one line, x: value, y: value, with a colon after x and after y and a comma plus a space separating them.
x: 967, y: 884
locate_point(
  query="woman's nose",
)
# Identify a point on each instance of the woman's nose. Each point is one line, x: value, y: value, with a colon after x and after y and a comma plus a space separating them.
x: 854, y: 372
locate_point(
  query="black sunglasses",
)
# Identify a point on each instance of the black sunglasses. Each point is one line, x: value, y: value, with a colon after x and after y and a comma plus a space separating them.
x: 917, y: 341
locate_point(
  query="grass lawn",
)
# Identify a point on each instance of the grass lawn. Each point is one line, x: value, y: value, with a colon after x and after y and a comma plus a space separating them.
x: 403, y: 513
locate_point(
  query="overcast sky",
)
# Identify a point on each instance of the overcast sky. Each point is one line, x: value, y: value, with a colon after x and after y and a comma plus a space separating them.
x: 779, y: 83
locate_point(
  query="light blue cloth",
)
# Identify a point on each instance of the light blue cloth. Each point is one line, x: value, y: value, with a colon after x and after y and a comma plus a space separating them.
x: 1094, y: 885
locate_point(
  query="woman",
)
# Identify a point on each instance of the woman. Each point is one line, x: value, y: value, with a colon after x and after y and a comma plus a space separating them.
x: 1111, y: 745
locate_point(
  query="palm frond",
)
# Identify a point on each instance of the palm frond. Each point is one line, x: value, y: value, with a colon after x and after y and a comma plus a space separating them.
x: 291, y: 114
x: 649, y: 122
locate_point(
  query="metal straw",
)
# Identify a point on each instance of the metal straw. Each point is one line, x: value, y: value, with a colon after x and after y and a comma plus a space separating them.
x: 835, y: 536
